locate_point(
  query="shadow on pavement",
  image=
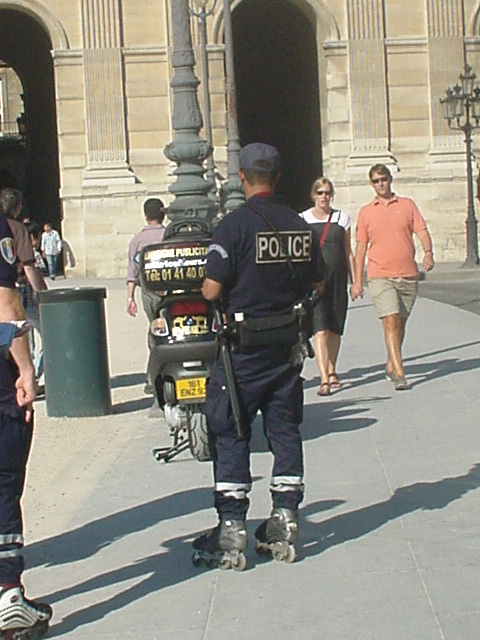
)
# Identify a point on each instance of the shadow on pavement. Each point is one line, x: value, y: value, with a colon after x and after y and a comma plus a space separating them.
x: 129, y: 406
x: 87, y: 540
x: 456, y: 347
x: 127, y: 380
x: 441, y: 369
x: 360, y: 376
x: 172, y: 565
x: 320, y: 420
x: 348, y: 526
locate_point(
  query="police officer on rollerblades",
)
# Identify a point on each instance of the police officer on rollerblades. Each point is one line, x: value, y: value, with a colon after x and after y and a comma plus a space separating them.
x: 260, y: 262
x: 20, y: 618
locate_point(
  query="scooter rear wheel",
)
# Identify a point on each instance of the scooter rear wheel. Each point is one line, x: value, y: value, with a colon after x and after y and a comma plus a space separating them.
x: 198, y: 434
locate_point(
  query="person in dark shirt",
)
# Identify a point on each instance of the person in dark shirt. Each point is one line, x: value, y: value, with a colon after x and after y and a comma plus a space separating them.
x: 248, y: 269
x: 19, y: 617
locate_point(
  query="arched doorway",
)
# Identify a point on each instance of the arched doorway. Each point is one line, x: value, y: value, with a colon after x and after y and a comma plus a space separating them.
x: 25, y: 46
x: 276, y: 74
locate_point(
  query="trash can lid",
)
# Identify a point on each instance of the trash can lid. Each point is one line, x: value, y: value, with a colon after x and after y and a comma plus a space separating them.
x: 72, y: 294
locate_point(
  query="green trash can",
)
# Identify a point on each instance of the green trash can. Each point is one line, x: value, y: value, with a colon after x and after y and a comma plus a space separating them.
x: 77, y: 380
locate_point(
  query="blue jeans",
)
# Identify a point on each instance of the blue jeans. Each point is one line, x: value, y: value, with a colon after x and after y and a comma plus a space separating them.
x: 29, y: 301
x: 52, y: 264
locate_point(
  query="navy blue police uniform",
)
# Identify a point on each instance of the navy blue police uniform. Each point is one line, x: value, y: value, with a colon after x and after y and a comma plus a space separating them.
x: 15, y: 437
x: 247, y: 258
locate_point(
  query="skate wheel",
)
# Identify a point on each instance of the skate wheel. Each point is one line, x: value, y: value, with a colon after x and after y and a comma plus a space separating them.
x: 33, y: 633
x: 224, y: 564
x: 197, y: 560
x: 278, y: 551
x: 283, y: 552
x: 240, y: 564
x: 291, y: 554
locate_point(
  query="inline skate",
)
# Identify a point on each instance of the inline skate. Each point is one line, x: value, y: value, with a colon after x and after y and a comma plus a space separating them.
x: 277, y: 535
x: 20, y: 618
x: 223, y: 546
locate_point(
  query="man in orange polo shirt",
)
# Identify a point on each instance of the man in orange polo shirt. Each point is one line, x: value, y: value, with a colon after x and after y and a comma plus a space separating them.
x: 385, y: 229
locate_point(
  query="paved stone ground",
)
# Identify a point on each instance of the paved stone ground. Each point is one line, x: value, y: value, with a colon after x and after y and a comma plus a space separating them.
x: 454, y: 284
x: 389, y: 543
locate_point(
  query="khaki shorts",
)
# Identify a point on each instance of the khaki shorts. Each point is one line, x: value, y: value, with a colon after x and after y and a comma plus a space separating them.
x: 392, y: 296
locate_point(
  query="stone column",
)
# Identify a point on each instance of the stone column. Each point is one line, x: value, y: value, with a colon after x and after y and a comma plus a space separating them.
x: 368, y: 85
x: 107, y: 163
x: 446, y: 57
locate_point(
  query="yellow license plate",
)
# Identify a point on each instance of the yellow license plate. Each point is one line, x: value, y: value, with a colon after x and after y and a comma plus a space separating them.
x: 192, y: 388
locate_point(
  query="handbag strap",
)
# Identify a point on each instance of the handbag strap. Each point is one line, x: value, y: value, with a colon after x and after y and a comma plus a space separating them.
x: 283, y: 244
x: 325, y: 229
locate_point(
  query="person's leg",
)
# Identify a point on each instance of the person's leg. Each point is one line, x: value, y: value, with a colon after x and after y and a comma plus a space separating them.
x: 282, y: 414
x: 231, y: 456
x: 35, y: 341
x: 394, y: 331
x: 54, y: 266
x: 320, y: 347
x: 406, y: 293
x: 151, y: 306
x: 387, y: 304
x: 15, y: 440
x: 17, y: 613
x: 226, y: 542
x: 333, y: 345
x: 320, y: 344
x: 50, y: 265
x: 282, y: 411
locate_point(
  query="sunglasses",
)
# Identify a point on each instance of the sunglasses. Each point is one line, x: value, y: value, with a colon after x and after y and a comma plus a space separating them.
x: 323, y: 193
x: 377, y: 180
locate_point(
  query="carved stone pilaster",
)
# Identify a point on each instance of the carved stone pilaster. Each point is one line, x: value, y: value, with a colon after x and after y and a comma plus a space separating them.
x: 104, y: 95
x: 446, y: 61
x: 368, y: 85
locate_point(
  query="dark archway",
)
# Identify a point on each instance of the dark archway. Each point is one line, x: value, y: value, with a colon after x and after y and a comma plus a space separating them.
x: 276, y: 73
x: 25, y: 46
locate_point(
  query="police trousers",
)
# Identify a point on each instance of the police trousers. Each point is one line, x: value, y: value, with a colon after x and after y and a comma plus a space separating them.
x: 15, y: 442
x: 267, y: 383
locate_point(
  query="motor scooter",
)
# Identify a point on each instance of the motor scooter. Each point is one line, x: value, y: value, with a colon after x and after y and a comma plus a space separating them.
x: 184, y: 335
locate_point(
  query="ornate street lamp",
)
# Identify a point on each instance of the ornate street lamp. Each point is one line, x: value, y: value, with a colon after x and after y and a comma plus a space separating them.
x: 462, y: 111
x: 188, y: 150
x: 233, y: 187
x: 204, y: 12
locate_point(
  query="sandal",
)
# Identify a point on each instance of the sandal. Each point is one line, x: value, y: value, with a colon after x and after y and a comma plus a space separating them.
x: 324, y: 389
x: 335, y: 384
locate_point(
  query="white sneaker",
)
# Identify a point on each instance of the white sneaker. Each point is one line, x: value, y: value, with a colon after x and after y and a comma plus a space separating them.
x: 20, y: 618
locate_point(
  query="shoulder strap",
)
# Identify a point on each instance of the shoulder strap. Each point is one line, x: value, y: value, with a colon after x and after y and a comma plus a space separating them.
x: 325, y: 229
x: 281, y: 240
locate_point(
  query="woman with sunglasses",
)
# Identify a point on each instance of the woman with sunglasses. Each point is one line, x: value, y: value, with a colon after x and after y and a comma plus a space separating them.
x: 329, y: 314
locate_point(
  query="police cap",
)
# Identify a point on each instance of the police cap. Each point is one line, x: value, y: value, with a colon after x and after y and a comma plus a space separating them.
x: 260, y: 157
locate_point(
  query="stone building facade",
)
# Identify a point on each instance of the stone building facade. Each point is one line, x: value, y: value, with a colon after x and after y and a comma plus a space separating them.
x: 337, y: 85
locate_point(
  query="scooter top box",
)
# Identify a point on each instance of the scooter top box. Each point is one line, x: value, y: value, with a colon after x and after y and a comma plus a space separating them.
x: 174, y: 264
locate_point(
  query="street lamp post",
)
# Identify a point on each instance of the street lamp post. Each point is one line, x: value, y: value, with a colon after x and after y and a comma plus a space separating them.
x: 204, y: 11
x: 188, y: 150
x: 462, y: 111
x: 233, y: 187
